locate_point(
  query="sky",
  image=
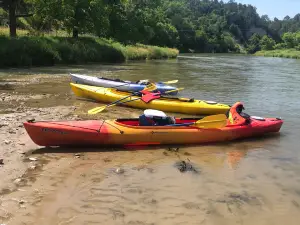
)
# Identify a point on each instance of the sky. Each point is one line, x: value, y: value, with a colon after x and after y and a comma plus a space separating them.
x: 275, y: 8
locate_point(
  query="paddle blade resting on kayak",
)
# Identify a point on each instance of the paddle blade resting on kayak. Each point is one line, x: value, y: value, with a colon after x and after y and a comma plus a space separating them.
x: 101, y: 108
x: 141, y: 131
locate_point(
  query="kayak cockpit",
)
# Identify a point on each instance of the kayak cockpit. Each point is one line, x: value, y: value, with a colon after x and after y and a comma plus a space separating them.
x: 152, y: 117
x: 136, y: 122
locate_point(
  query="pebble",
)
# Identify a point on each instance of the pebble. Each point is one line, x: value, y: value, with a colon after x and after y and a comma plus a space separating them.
x: 22, y: 201
x: 184, y: 166
x: 33, y: 159
x: 1, y: 162
x: 77, y: 155
x: 173, y: 149
x: 32, y: 167
x: 17, y: 181
x: 119, y: 171
x: 3, y: 124
x: 107, y: 160
x: 7, y: 142
x: 19, y: 189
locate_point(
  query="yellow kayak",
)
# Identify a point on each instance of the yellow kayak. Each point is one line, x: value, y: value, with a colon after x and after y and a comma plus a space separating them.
x: 176, y: 105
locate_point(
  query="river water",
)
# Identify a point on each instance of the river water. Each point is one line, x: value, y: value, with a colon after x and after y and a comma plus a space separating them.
x: 254, y: 181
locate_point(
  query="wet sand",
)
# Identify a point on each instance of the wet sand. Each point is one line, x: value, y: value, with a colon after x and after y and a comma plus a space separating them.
x: 242, y: 182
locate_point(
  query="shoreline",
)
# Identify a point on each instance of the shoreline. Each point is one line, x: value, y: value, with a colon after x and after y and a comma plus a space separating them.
x: 280, y: 53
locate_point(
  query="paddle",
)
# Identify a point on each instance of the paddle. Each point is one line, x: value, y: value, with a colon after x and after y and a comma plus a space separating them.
x: 149, y: 87
x: 214, y: 121
x: 101, y: 108
x: 170, y: 82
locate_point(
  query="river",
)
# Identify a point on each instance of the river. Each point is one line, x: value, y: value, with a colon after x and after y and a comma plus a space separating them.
x: 254, y: 181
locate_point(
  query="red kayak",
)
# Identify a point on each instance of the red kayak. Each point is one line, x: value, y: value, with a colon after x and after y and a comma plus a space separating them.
x: 137, y: 132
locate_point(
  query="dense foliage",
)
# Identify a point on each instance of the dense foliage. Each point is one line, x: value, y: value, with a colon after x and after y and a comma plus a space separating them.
x: 285, y: 53
x: 190, y: 25
x: 288, y: 48
x: 48, y: 51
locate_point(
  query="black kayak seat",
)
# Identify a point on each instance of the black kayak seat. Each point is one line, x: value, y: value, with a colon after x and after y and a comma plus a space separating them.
x: 155, y: 118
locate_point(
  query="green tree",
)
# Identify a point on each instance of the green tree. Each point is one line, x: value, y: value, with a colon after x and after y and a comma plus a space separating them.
x: 200, y: 25
x: 3, y: 17
x: 254, y: 44
x: 267, y: 43
x: 297, y: 38
x: 83, y: 16
x: 201, y: 40
x: 76, y: 16
x: 289, y: 39
x: 16, y: 9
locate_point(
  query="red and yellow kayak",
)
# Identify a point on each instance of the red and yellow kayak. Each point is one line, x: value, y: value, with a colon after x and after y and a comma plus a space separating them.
x: 128, y: 131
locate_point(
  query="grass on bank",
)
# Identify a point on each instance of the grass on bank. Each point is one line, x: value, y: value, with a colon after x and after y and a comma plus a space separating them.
x: 49, y: 50
x: 30, y: 32
x: 284, y: 53
x: 140, y: 51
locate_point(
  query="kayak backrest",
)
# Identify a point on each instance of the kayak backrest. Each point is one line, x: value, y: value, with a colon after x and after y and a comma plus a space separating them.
x: 150, y: 113
x: 146, y: 121
x: 153, y: 117
x: 156, y: 121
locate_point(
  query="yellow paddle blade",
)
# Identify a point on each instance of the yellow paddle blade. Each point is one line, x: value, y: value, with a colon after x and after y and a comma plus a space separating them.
x: 170, y: 82
x: 177, y: 89
x: 214, y: 121
x: 184, y: 99
x: 96, y: 110
x: 150, y: 87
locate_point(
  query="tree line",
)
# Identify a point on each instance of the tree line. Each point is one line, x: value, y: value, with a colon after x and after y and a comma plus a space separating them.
x: 189, y: 25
